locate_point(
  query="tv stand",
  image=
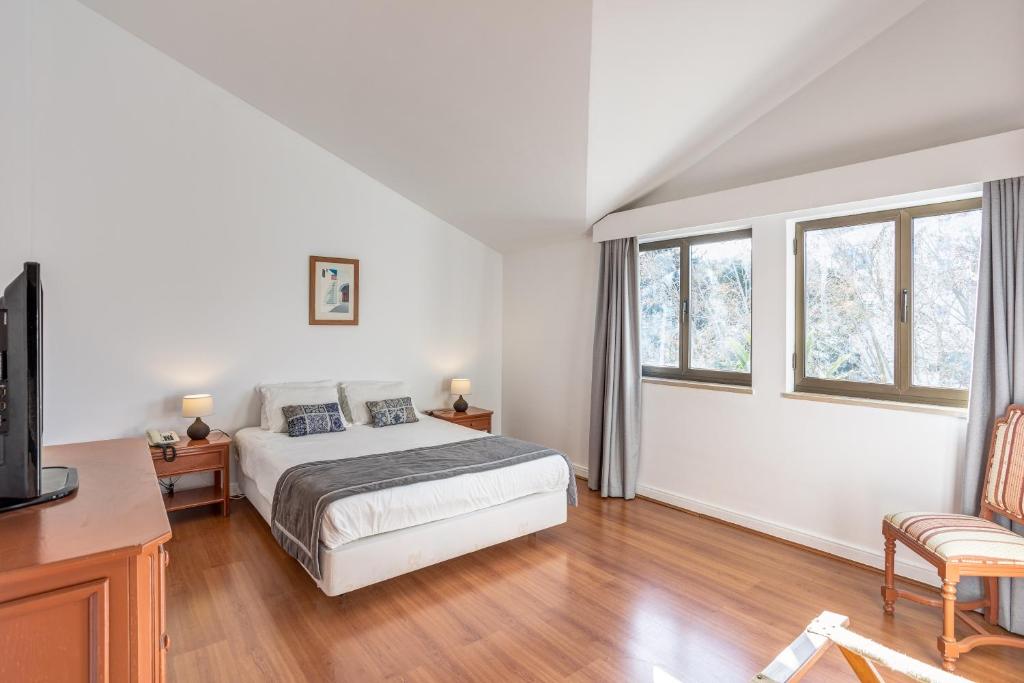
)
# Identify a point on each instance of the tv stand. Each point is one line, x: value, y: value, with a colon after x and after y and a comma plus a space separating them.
x: 82, y: 579
x: 58, y: 482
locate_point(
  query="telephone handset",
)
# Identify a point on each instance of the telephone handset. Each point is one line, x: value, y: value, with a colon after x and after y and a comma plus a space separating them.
x: 165, y: 442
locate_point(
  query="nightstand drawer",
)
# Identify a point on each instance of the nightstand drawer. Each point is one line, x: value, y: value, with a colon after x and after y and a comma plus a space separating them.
x: 481, y: 423
x: 189, y: 463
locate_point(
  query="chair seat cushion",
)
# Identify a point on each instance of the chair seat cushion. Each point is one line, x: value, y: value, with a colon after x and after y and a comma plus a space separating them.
x: 961, y: 538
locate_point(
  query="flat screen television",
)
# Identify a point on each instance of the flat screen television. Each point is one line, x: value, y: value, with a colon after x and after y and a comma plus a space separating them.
x: 23, y: 479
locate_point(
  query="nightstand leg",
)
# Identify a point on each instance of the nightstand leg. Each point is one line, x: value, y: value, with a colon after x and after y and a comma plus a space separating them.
x: 220, y: 482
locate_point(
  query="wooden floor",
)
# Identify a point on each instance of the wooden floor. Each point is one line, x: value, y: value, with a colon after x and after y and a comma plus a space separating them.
x: 623, y: 592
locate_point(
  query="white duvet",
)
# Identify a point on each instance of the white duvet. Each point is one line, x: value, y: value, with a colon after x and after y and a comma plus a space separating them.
x: 264, y: 456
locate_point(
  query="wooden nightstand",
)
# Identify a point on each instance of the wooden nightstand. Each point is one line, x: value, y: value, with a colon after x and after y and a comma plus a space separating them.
x: 206, y: 455
x: 474, y: 418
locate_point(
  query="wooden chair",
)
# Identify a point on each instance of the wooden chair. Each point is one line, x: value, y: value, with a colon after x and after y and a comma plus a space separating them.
x: 962, y: 545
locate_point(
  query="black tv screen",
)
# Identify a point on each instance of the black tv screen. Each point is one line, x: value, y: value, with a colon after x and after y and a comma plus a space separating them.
x: 21, y: 385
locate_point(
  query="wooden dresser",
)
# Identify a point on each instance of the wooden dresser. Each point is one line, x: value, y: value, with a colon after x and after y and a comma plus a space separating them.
x: 82, y: 579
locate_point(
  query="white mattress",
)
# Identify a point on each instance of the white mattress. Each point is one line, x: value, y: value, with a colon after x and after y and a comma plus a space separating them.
x: 264, y: 456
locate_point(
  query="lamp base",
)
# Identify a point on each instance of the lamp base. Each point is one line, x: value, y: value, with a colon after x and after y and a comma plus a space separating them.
x: 460, y: 406
x: 198, y: 430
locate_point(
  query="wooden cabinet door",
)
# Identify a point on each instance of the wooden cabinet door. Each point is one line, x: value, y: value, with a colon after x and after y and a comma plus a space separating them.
x: 149, y: 635
x: 59, y: 635
x: 163, y: 640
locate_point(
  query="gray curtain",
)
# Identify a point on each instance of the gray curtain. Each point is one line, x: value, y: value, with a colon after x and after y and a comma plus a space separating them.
x: 615, y: 382
x: 998, y: 378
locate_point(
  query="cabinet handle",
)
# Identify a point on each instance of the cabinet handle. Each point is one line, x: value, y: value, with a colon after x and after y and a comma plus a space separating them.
x: 167, y: 558
x: 166, y: 641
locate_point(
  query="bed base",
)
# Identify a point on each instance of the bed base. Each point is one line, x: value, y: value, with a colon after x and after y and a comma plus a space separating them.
x: 384, y: 556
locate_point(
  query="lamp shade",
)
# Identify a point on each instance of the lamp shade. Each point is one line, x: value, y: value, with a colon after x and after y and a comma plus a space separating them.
x: 461, y: 387
x: 197, y: 405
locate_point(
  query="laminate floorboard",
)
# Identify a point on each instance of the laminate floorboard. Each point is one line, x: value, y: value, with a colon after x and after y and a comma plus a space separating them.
x: 625, y: 591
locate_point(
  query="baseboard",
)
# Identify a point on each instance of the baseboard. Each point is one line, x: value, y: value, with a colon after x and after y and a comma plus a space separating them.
x: 873, y: 558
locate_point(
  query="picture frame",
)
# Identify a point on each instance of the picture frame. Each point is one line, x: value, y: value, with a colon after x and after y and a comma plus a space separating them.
x: 333, y: 291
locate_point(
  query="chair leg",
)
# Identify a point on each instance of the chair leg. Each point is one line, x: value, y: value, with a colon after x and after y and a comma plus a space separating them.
x: 992, y: 593
x: 889, y: 593
x: 947, y: 643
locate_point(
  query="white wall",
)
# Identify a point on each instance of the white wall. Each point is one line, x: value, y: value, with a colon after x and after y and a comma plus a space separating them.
x: 14, y: 126
x: 548, y: 347
x: 174, y: 223
x: 820, y: 474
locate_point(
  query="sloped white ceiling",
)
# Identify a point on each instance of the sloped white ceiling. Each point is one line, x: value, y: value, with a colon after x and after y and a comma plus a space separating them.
x: 476, y: 111
x: 484, y: 113
x: 670, y: 80
x: 949, y: 71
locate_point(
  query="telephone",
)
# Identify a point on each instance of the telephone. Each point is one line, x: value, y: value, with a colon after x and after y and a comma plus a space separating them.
x: 157, y: 438
x: 165, y: 441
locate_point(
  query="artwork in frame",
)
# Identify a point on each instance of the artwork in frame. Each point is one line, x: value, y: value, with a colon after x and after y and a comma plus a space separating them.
x: 333, y: 291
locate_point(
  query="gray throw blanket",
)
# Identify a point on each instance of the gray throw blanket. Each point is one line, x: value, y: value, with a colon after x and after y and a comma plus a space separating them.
x: 303, y: 492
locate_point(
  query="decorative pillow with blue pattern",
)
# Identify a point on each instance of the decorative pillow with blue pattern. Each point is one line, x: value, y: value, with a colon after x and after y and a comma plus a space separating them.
x: 313, y: 419
x: 391, y: 411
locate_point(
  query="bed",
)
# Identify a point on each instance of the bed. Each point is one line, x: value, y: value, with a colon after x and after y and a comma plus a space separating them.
x: 376, y: 535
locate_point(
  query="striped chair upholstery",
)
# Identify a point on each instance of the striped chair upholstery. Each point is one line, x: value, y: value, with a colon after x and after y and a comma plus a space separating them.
x: 961, y: 538
x: 1004, y: 481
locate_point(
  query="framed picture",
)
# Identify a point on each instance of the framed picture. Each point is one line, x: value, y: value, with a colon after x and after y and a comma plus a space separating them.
x: 333, y: 291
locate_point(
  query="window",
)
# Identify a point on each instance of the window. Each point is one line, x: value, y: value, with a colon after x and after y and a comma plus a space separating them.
x: 885, y: 303
x: 695, y: 297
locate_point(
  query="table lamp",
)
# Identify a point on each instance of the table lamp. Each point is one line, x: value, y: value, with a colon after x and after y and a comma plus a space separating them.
x: 197, y: 406
x: 460, y: 387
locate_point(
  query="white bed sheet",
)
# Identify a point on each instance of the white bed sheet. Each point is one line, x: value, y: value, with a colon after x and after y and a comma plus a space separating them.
x: 264, y: 456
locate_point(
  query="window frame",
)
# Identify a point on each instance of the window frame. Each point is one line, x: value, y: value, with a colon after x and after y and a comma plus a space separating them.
x: 902, y: 389
x: 684, y: 371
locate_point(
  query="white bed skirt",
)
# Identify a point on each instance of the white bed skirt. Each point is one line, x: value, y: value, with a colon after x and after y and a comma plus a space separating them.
x: 384, y: 556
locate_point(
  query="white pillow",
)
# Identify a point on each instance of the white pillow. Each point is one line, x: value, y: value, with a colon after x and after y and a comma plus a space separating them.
x: 354, y: 396
x: 275, y: 397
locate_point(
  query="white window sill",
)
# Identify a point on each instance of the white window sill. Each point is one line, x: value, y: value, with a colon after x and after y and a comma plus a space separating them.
x: 690, y: 384
x: 959, y: 413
